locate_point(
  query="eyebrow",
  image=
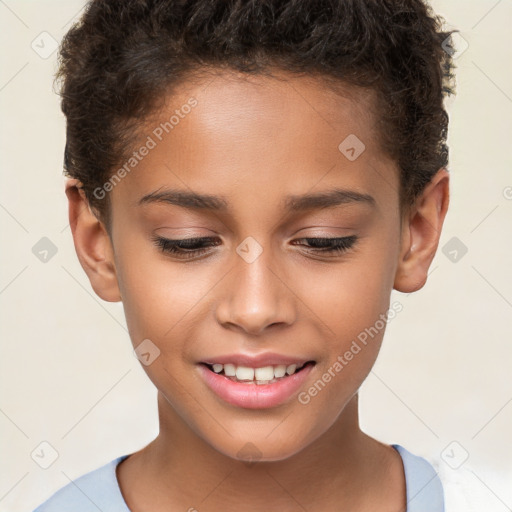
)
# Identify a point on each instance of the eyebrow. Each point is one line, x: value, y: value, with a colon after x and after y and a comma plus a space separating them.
x: 292, y: 203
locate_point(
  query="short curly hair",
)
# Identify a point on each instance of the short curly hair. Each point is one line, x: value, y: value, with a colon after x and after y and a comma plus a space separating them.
x: 123, y: 56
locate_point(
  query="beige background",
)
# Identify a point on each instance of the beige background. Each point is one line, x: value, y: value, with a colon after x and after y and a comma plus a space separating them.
x: 68, y: 374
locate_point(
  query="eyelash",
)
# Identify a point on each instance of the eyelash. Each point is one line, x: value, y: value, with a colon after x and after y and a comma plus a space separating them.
x: 184, y: 248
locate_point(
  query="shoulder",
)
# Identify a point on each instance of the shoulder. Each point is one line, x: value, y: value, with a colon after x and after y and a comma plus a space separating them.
x: 96, y: 490
x: 462, y: 487
x: 468, y: 487
x: 424, y: 488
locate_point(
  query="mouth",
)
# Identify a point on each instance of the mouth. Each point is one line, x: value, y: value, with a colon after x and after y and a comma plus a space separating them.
x: 259, y: 376
x: 255, y: 388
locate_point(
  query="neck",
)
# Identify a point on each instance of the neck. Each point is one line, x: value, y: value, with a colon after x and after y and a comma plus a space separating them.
x: 336, y: 465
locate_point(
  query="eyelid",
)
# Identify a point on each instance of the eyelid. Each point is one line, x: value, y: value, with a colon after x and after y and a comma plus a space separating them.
x: 336, y: 246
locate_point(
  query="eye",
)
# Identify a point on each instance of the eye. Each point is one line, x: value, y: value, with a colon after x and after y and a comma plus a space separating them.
x: 330, y: 245
x: 192, y: 247
x: 184, y: 248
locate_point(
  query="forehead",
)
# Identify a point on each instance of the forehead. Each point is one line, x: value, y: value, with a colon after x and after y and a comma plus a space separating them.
x: 282, y: 108
x: 258, y: 134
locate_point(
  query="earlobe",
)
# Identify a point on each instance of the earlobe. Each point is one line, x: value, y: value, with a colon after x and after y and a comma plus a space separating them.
x: 421, y: 231
x: 92, y: 244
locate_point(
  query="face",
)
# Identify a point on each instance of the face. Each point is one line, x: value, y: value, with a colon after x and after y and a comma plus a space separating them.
x: 300, y: 241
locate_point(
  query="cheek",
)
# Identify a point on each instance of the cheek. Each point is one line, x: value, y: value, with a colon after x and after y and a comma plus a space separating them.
x: 157, y: 294
x: 350, y: 296
x: 352, y: 302
x: 355, y: 314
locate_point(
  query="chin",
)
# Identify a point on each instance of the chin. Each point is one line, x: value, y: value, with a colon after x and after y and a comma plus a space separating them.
x: 260, y: 449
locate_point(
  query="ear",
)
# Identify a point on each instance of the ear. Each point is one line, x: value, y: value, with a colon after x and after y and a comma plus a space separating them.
x: 421, y: 230
x: 92, y: 244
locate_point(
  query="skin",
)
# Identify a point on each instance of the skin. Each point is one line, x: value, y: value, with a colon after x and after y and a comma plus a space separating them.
x: 255, y: 141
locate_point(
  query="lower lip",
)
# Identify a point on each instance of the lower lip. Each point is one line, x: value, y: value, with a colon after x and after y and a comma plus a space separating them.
x: 254, y: 396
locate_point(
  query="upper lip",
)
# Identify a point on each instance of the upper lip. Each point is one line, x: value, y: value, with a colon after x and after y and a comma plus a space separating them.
x: 258, y: 361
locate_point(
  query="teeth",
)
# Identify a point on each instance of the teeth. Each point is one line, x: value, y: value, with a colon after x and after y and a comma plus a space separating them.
x: 279, y: 371
x: 264, y: 375
x: 229, y: 370
x: 244, y: 373
x: 291, y: 369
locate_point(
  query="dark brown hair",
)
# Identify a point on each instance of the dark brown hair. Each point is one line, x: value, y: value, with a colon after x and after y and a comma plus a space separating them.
x: 123, y: 57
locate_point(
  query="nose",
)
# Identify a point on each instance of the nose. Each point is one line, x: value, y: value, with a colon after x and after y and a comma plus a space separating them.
x: 256, y: 296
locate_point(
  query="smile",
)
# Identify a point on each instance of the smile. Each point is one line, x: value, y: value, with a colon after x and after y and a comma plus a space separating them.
x: 264, y: 375
x: 255, y: 388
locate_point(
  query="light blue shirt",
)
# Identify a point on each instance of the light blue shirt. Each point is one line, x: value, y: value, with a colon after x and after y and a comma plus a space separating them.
x: 99, y: 489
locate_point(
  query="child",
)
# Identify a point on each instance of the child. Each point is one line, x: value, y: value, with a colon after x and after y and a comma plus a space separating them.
x: 252, y: 179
